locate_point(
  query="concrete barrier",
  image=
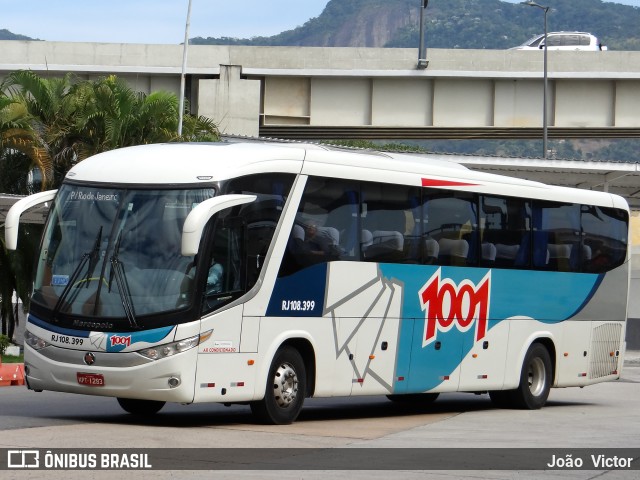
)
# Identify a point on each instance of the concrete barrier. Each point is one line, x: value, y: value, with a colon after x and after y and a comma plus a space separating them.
x: 11, y: 374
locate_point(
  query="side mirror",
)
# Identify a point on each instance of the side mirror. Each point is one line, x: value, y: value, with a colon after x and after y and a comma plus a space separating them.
x: 13, y: 216
x: 200, y: 215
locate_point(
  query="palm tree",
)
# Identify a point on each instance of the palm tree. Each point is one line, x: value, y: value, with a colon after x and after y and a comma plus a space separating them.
x: 51, y: 110
x: 21, y: 151
x: 18, y: 140
x: 113, y: 115
x: 50, y: 124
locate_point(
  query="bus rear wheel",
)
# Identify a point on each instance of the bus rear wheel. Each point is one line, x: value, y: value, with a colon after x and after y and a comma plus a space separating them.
x: 535, y: 379
x: 285, y: 389
x: 535, y: 382
x: 140, y: 407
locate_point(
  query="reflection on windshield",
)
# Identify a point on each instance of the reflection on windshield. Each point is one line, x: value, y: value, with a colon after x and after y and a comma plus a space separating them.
x: 116, y: 253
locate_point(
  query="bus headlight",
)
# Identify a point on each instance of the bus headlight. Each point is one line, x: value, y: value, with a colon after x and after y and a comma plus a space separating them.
x: 34, y: 341
x: 169, y: 349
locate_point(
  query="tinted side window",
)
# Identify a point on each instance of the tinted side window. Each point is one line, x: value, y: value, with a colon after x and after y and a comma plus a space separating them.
x: 572, y: 40
x: 604, y: 238
x: 556, y: 236
x: 554, y: 40
x: 451, y: 227
x: 390, y: 223
x: 260, y: 218
x: 506, y: 232
x: 327, y: 225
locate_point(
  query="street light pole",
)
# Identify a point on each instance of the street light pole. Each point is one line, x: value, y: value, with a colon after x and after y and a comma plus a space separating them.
x: 184, y: 70
x: 544, y: 87
x: 422, y: 51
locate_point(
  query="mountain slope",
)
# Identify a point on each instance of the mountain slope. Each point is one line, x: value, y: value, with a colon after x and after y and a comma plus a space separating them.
x: 490, y: 24
x: 7, y: 35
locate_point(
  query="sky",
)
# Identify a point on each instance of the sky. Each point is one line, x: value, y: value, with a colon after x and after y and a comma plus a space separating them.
x: 159, y: 21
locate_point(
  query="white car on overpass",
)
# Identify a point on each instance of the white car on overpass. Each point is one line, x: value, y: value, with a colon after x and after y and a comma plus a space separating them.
x: 563, y: 41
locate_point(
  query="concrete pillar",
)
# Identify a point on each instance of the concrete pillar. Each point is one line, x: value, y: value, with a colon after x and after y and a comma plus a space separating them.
x: 231, y: 102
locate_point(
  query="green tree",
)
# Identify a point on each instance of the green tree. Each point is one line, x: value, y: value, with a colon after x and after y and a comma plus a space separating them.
x: 112, y: 115
x: 79, y: 118
x: 20, y: 144
x: 21, y: 151
x: 50, y: 124
x: 51, y: 107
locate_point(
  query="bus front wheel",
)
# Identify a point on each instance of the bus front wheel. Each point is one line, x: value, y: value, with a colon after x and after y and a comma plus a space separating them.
x: 140, y: 407
x: 285, y: 389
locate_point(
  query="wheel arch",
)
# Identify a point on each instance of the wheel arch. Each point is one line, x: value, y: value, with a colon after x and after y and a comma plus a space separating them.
x: 306, y: 350
x: 304, y: 345
x: 550, y: 345
x: 547, y: 340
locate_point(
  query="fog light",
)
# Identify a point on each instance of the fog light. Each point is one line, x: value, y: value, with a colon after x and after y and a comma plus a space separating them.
x: 174, y: 382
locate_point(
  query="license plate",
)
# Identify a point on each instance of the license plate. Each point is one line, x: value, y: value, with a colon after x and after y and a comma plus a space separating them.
x: 90, y: 379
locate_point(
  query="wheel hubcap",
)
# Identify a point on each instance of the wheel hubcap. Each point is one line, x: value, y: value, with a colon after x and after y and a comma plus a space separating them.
x: 285, y: 385
x: 537, y: 377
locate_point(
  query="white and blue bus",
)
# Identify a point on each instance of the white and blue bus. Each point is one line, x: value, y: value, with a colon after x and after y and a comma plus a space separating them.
x: 265, y: 273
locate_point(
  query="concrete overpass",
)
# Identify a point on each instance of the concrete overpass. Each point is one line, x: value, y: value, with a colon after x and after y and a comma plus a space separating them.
x: 331, y: 93
x: 313, y: 93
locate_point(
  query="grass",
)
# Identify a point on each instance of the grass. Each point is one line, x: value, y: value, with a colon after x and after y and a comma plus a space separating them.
x: 13, y: 359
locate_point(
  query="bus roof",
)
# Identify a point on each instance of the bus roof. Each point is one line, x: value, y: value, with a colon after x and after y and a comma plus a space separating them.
x: 203, y: 163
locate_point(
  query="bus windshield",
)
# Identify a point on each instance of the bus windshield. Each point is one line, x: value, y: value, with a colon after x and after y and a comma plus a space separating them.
x: 115, y: 253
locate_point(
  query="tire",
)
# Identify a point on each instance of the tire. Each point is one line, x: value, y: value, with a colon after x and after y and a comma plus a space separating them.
x: 414, y: 398
x: 284, y: 391
x: 535, y: 379
x: 140, y: 407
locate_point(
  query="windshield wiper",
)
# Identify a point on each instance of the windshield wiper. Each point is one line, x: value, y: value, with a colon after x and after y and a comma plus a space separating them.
x: 117, y: 270
x: 91, y: 258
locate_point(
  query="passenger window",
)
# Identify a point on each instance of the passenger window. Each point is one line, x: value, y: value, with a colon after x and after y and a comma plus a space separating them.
x: 554, y: 40
x: 326, y: 227
x: 604, y: 238
x: 390, y: 222
x: 556, y: 236
x: 451, y: 220
x: 572, y: 40
x: 506, y: 230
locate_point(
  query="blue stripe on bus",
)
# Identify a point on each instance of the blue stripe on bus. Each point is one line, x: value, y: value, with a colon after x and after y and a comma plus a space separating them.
x: 52, y: 328
x: 290, y: 293
x: 547, y: 297
x: 115, y: 341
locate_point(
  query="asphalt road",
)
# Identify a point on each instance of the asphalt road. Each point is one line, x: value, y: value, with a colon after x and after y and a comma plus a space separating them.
x: 600, y: 418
